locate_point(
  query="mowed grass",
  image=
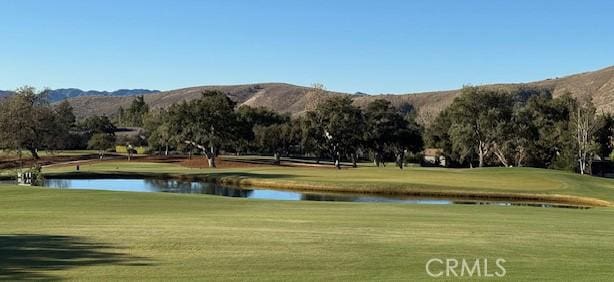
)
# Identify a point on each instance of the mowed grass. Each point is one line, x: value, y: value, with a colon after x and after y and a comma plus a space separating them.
x: 100, y: 235
x: 384, y: 180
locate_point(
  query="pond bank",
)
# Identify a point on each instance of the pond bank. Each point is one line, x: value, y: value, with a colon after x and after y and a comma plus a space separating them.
x: 424, y: 191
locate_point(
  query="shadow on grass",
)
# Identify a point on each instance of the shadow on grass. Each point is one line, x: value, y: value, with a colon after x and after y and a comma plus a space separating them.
x: 34, y: 256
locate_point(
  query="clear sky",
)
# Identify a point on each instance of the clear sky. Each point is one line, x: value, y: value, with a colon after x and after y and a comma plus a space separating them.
x: 370, y: 46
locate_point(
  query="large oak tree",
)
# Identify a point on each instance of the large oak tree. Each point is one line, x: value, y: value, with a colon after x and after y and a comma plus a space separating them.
x: 206, y: 123
x: 29, y: 122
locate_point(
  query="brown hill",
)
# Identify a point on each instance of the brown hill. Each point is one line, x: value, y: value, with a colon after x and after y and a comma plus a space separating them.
x: 280, y: 97
x: 293, y: 99
x: 599, y: 85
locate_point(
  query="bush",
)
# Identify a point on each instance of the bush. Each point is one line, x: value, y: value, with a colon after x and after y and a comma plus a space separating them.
x: 564, y: 161
x: 414, y: 158
x: 101, y: 142
x: 135, y: 150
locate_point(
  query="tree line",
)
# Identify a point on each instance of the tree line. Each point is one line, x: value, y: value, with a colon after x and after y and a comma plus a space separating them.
x: 484, y: 126
x: 335, y: 130
x: 521, y: 127
x: 28, y: 122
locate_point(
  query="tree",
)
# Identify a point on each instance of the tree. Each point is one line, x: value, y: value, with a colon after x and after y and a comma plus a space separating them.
x: 206, y: 123
x: 437, y: 136
x: 407, y: 138
x: 138, y: 109
x: 313, y: 139
x: 549, y: 144
x: 605, y: 136
x: 121, y: 116
x: 275, y: 138
x: 133, y: 115
x: 521, y: 133
x: 519, y: 126
x: 380, y: 118
x: 343, y: 126
x: 247, y: 119
x: 585, y: 124
x: 478, y: 115
x: 66, y: 116
x: 515, y: 131
x: 65, y: 123
x: 157, y: 130
x: 27, y: 121
x: 389, y: 130
x: 97, y: 124
x: 101, y: 142
x: 426, y: 114
x: 314, y: 96
x: 99, y: 132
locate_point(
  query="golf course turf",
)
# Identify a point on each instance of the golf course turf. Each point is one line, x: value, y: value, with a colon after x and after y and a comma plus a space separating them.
x: 103, y: 235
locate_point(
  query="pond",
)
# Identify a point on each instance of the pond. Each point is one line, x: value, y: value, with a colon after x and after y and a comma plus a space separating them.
x: 197, y: 187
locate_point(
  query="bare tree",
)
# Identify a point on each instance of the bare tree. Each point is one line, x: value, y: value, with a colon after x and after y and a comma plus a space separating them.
x: 427, y: 114
x: 585, y: 124
x: 315, y: 96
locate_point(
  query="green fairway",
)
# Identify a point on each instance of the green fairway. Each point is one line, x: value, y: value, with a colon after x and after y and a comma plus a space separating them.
x: 505, y: 181
x: 71, y: 234
x: 100, y: 235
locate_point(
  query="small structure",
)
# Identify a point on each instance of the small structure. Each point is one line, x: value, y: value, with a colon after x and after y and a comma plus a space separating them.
x: 433, y: 157
x: 30, y: 177
x: 25, y: 178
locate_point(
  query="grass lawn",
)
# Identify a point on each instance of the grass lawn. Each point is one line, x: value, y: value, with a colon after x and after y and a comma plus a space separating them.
x: 102, y: 235
x: 71, y: 234
x: 386, y: 180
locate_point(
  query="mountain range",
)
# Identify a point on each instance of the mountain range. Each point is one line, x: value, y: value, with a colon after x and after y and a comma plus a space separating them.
x: 56, y: 95
x: 287, y: 98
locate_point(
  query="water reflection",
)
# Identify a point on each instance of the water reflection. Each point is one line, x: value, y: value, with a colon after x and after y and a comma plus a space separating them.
x: 365, y: 198
x: 57, y: 183
x: 195, y: 187
x: 149, y: 185
x: 520, y: 204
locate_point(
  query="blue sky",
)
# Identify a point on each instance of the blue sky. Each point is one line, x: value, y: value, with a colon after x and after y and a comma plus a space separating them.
x: 370, y: 46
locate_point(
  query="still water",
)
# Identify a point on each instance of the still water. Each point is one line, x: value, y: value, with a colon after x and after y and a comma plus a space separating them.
x: 196, y: 187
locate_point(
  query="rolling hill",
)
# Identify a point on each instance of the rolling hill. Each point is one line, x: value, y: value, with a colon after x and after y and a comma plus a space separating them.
x: 67, y: 93
x: 292, y: 99
x: 4, y: 93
